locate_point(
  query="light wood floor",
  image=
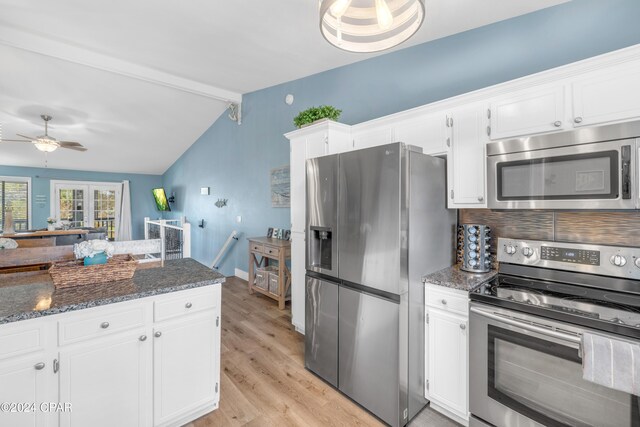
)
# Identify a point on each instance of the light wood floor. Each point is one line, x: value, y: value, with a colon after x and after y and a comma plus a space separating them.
x: 263, y: 380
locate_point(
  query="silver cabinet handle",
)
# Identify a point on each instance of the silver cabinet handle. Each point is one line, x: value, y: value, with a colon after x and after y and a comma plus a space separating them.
x: 578, y: 120
x: 158, y: 334
x: 188, y: 305
x: 56, y: 366
x: 444, y: 302
x: 448, y: 142
x: 143, y: 338
x: 557, y: 123
x: 39, y: 366
x: 104, y: 325
x: 480, y: 198
x: 463, y: 326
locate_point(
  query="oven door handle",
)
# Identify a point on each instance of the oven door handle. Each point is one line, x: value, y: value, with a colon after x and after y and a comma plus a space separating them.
x: 575, y: 339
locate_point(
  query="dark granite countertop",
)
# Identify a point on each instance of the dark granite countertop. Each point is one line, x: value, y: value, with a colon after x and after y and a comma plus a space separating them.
x: 27, y: 296
x: 453, y: 277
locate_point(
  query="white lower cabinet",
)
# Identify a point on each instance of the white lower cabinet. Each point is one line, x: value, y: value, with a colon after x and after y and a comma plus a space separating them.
x: 447, y: 353
x: 107, y: 381
x: 28, y: 379
x: 185, y: 365
x: 148, y: 362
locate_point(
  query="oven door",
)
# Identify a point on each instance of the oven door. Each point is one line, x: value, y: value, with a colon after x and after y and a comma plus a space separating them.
x: 588, y: 176
x: 527, y: 371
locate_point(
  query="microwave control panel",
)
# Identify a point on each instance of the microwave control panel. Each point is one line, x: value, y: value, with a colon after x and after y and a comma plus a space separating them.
x: 571, y: 255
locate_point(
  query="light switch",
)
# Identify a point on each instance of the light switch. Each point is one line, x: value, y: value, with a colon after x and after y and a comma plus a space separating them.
x: 204, y: 191
x: 239, y: 219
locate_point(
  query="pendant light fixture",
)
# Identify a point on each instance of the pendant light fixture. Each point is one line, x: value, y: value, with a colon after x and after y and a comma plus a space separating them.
x: 369, y: 25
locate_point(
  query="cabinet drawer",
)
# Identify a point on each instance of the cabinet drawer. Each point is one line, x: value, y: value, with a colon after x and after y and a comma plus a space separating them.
x: 270, y: 250
x: 184, y: 302
x: 448, y: 300
x: 17, y: 340
x: 255, y: 247
x: 92, y: 325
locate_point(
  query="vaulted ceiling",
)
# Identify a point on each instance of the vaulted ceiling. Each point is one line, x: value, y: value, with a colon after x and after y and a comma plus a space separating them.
x: 137, y: 82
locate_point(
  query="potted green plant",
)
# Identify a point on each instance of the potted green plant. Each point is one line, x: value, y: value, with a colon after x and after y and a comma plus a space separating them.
x: 314, y: 114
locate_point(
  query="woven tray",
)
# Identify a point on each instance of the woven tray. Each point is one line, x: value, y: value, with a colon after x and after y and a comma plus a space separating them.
x: 68, y: 274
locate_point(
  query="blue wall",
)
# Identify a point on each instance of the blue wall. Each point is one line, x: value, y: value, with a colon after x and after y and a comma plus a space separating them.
x: 235, y: 160
x: 142, y: 203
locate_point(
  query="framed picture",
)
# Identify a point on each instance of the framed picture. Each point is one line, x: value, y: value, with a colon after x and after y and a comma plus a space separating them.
x: 270, y: 232
x: 280, y: 187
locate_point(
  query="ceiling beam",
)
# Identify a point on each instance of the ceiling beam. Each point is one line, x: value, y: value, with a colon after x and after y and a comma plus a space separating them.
x: 24, y: 40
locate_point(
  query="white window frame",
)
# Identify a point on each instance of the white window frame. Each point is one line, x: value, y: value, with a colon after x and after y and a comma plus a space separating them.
x: 28, y: 181
x: 90, y: 186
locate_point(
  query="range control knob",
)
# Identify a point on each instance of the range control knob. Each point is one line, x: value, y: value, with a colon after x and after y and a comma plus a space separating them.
x: 618, y: 260
x: 510, y: 249
x: 527, y: 251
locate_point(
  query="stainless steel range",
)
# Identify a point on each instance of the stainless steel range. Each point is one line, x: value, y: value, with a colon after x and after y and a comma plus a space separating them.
x: 526, y: 328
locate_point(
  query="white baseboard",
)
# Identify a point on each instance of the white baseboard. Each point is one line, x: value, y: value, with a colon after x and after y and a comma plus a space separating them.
x: 241, y: 274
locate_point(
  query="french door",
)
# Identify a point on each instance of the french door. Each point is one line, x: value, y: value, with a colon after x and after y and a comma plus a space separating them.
x: 84, y: 204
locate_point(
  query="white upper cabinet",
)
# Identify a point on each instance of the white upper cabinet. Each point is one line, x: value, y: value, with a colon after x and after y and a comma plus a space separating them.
x: 372, y: 137
x: 532, y: 111
x: 466, y: 157
x: 428, y: 132
x: 606, y: 96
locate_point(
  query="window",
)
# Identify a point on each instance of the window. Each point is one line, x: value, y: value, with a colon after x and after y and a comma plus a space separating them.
x: 87, y: 204
x: 15, y: 197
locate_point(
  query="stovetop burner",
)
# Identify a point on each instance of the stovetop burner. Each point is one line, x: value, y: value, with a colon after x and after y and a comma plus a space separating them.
x: 584, y: 302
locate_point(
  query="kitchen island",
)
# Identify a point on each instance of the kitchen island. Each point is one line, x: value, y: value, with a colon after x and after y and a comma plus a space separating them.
x: 141, y: 352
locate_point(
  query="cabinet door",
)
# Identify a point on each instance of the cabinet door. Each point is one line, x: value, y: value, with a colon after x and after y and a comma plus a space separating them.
x: 373, y: 137
x: 28, y: 379
x: 428, y: 132
x: 108, y: 382
x: 297, y: 280
x: 608, y: 96
x: 298, y: 178
x: 317, y: 145
x: 529, y: 112
x: 448, y: 376
x: 186, y: 367
x: 466, y: 158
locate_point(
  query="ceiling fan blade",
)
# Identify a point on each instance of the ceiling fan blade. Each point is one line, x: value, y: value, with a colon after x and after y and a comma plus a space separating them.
x: 69, y: 144
x: 73, y: 148
x: 25, y: 136
x: 15, y: 140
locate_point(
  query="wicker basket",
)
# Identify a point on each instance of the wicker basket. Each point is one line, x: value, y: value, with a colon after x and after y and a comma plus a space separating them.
x: 262, y: 277
x: 68, y: 274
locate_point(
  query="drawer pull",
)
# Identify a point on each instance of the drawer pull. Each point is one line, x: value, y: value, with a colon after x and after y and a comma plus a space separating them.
x: 158, y: 334
x: 463, y: 326
x: 143, y: 338
x: 104, y: 325
x: 444, y: 302
x: 39, y: 366
x: 188, y: 305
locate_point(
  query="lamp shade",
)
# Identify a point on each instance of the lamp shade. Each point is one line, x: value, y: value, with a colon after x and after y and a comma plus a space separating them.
x: 370, y: 25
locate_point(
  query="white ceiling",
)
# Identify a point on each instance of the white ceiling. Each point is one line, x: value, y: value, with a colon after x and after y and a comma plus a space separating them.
x: 126, y: 77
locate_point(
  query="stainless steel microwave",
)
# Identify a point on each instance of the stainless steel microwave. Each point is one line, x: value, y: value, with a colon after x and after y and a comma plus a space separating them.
x: 589, y: 168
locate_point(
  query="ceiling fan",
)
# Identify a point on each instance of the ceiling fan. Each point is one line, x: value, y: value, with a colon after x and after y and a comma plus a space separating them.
x: 45, y: 142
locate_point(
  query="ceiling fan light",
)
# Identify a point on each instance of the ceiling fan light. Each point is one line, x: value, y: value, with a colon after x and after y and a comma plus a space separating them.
x: 370, y: 25
x: 46, y: 146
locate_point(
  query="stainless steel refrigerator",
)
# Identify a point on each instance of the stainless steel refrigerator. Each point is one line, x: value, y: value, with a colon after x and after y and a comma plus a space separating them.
x: 376, y: 222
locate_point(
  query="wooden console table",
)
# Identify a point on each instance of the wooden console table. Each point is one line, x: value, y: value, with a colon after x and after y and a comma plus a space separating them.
x: 263, y: 249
